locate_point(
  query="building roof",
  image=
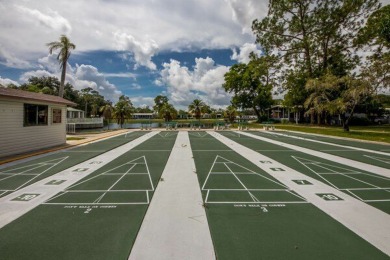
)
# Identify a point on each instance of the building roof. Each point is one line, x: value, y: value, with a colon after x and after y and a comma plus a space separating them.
x: 71, y: 109
x: 27, y: 95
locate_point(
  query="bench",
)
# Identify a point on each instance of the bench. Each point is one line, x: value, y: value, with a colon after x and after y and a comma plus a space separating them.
x: 147, y: 125
x: 219, y: 125
x: 170, y: 125
x: 195, y: 125
x: 243, y: 125
x: 268, y: 125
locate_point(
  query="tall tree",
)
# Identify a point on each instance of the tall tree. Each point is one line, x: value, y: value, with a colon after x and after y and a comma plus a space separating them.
x: 159, y: 102
x: 107, y: 111
x: 168, y: 112
x: 323, y: 91
x: 312, y: 37
x: 230, y: 113
x: 252, y: 84
x: 65, y: 47
x: 123, y: 109
x: 196, y: 108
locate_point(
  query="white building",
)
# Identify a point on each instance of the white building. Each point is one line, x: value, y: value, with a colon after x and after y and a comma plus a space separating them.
x: 30, y: 121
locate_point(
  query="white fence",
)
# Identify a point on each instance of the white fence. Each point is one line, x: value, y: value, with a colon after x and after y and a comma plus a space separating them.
x: 94, y: 120
x: 70, y: 128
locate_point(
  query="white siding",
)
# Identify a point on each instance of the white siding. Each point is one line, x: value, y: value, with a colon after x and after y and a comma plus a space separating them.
x: 16, y: 139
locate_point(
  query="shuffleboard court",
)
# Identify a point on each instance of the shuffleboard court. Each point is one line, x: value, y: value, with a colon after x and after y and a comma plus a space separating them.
x: 97, y: 217
x: 254, y: 216
x: 380, y: 159
x: 15, y: 177
x: 339, y: 141
x: 366, y: 186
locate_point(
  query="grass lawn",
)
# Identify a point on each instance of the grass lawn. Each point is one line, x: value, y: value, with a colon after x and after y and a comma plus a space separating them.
x: 369, y: 133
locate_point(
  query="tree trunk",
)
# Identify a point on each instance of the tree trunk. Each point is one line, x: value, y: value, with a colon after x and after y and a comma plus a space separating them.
x: 318, y: 118
x: 257, y: 114
x: 62, y: 83
x: 312, y: 118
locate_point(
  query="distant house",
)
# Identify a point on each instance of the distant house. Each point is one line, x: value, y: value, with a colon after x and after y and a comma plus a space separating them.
x: 31, y: 121
x: 143, y: 116
x: 74, y: 113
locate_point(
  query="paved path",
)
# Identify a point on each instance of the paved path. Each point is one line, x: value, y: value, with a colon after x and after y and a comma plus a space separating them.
x: 21, y: 201
x: 368, y: 222
x: 175, y: 225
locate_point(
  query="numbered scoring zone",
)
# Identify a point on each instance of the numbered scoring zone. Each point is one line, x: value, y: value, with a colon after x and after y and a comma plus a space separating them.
x: 126, y: 184
x: 231, y: 183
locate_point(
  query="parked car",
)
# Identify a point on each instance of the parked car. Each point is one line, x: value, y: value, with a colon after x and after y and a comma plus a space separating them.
x: 382, y: 120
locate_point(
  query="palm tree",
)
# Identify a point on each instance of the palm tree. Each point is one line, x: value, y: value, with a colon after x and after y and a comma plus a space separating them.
x: 107, y: 111
x: 65, y: 46
x: 196, y: 108
x: 231, y: 113
x: 168, y: 112
x: 123, y: 109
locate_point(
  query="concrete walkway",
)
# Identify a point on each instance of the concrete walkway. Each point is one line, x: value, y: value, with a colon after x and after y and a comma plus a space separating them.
x: 21, y: 201
x: 371, y: 224
x: 175, y: 225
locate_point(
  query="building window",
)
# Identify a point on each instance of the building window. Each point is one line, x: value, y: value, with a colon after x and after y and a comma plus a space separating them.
x: 35, y: 115
x: 56, y: 116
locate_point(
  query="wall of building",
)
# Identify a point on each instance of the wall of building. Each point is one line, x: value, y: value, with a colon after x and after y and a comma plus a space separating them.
x: 15, y: 138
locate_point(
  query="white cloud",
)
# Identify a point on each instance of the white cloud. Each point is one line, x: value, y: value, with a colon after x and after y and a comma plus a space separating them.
x: 35, y: 73
x: 89, y: 76
x: 204, y: 82
x: 142, y: 101
x: 171, y: 24
x: 242, y: 56
x: 244, y: 12
x: 142, y: 51
x: 135, y: 86
x: 10, y: 60
x: 120, y: 75
x: 82, y: 76
x: 5, y: 82
x: 52, y: 20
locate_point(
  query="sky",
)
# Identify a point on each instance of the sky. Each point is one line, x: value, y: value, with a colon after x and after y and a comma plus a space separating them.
x: 139, y: 48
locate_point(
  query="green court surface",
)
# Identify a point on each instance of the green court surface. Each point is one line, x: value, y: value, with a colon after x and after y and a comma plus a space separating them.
x: 365, y: 186
x: 97, y: 217
x: 349, y: 153
x: 18, y: 176
x: 253, y: 216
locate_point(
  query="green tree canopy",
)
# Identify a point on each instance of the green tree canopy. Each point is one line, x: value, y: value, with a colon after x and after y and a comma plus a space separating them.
x: 123, y: 109
x: 196, y: 108
x: 251, y: 84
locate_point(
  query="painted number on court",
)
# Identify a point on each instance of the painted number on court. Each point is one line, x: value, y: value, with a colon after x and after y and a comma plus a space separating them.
x: 328, y: 196
x: 80, y: 170
x: 26, y: 197
x: 266, y: 162
x: 55, y: 182
x: 96, y: 162
x: 302, y: 182
x: 278, y: 169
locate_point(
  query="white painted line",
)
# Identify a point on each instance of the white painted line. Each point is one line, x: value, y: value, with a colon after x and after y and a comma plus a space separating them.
x: 11, y: 210
x: 368, y: 222
x: 330, y: 157
x: 169, y: 230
